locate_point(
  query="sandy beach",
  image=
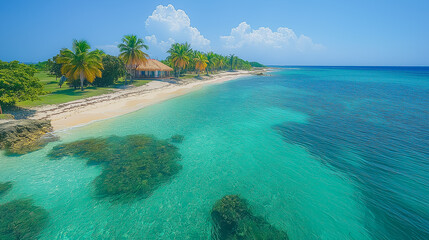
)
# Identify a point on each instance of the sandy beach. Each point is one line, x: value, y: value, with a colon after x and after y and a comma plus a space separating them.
x: 122, y: 101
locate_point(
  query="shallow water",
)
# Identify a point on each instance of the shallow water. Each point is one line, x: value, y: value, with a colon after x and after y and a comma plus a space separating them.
x: 322, y: 153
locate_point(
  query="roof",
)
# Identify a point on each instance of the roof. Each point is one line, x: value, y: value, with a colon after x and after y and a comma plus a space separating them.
x: 154, y: 65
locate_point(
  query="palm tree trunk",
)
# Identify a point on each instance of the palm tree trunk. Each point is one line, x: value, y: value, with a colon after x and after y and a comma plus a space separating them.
x: 82, y: 78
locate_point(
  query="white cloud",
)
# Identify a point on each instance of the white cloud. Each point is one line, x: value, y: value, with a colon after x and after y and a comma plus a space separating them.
x: 244, y: 36
x: 111, y: 49
x: 270, y: 46
x: 168, y: 25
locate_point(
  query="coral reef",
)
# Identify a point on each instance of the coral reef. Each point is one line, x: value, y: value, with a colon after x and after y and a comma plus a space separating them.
x: 20, y: 219
x: 232, y: 219
x: 177, y: 138
x: 4, y: 187
x: 133, y: 166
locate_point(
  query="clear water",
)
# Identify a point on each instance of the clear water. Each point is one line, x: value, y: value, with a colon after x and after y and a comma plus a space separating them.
x: 322, y: 153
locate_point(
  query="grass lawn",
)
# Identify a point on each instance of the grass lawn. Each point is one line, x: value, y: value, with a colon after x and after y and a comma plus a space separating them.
x: 58, y: 95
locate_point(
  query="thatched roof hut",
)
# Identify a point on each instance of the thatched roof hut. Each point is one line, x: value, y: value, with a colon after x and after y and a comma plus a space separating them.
x: 154, y: 65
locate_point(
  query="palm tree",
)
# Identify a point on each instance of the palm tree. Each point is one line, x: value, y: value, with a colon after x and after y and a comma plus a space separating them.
x: 180, y: 56
x: 221, y: 63
x: 80, y: 63
x: 132, y: 54
x: 211, y: 57
x: 200, y: 63
x: 232, y: 61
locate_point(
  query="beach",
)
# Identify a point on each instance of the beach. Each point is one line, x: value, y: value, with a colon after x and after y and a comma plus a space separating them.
x: 123, y: 101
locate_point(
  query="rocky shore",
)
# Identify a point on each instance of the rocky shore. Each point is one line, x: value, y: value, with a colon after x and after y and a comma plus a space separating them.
x: 23, y: 136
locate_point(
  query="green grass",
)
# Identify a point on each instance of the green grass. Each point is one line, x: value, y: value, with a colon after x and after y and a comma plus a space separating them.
x: 57, y: 95
x: 136, y: 82
x: 6, y: 116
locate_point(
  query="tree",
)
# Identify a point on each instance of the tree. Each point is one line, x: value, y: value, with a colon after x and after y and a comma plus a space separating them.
x: 180, y: 56
x: 18, y: 83
x: 55, y: 67
x: 211, y: 57
x: 232, y: 61
x: 114, y: 68
x: 81, y: 63
x: 131, y: 52
x: 200, y: 63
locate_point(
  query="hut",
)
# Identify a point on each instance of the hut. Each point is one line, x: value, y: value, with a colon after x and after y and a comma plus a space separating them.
x: 153, y: 69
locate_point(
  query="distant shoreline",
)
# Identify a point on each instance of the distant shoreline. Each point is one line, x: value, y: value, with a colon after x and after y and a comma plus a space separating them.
x: 84, y: 111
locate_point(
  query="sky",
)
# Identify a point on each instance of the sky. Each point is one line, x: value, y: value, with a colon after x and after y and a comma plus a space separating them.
x: 287, y: 32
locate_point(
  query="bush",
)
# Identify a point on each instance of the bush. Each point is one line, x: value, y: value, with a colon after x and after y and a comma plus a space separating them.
x: 114, y: 68
x: 20, y: 219
x: 133, y: 166
x: 232, y: 219
x: 18, y: 83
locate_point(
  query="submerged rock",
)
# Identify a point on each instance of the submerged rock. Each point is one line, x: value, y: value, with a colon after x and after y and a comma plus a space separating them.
x: 4, y: 187
x: 20, y: 219
x: 133, y: 166
x: 23, y: 136
x: 232, y: 219
x: 177, y: 138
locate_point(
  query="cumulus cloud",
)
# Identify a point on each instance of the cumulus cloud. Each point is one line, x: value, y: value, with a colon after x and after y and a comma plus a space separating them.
x: 168, y: 25
x: 283, y: 39
x: 270, y: 46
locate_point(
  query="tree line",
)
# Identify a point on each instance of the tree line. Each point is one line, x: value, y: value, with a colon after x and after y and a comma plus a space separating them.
x: 82, y: 66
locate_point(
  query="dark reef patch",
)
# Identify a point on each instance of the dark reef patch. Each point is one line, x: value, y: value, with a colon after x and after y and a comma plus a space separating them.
x: 133, y: 166
x: 4, y: 187
x: 232, y: 219
x: 20, y: 219
x: 177, y: 138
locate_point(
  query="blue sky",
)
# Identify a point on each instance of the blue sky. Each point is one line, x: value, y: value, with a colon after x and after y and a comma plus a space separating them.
x: 288, y: 32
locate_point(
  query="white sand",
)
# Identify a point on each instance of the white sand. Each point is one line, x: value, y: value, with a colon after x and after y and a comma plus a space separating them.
x: 124, y: 101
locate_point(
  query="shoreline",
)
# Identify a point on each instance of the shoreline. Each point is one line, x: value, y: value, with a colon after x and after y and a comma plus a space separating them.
x: 85, y: 111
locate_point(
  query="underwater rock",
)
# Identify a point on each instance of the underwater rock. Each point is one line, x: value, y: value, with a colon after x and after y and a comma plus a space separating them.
x: 20, y: 219
x: 177, y: 138
x: 232, y: 219
x: 23, y: 136
x: 133, y: 166
x: 4, y: 187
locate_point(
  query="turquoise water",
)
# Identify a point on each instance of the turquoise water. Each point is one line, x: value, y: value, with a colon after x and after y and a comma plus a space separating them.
x: 322, y: 153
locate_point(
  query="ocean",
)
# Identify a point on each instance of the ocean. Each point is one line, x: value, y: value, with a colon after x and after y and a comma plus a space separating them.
x: 318, y: 152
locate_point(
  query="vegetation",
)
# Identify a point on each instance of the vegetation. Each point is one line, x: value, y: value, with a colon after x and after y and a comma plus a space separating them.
x: 80, y: 67
x: 54, y: 67
x: 256, y: 64
x: 21, y: 219
x: 131, y: 52
x: 80, y: 63
x: 201, y: 62
x: 56, y: 95
x: 180, y: 56
x: 18, y: 83
x: 133, y: 166
x: 232, y: 219
x: 6, y: 116
x: 4, y: 187
x: 183, y: 59
x: 114, y: 68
